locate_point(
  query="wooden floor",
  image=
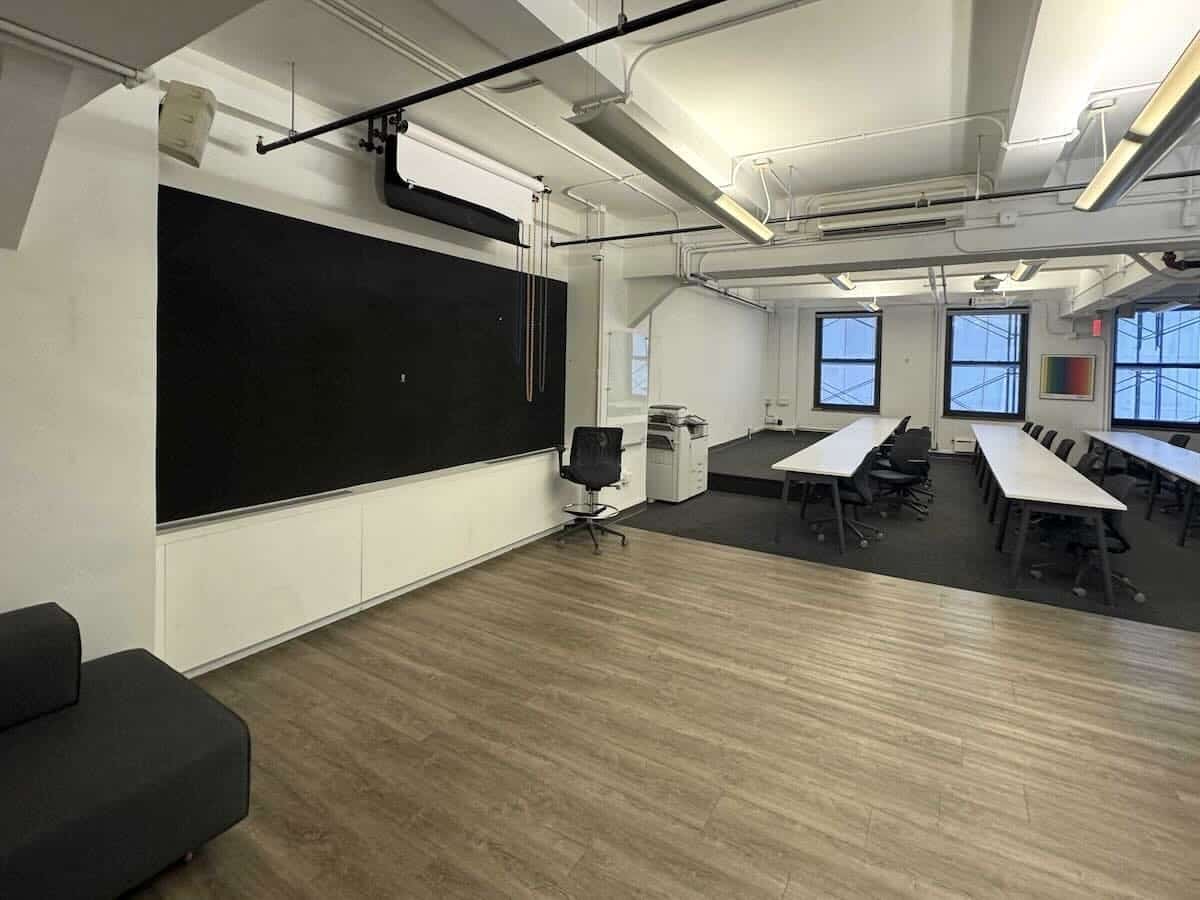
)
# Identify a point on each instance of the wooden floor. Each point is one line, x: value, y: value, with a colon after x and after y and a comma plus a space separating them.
x: 679, y: 719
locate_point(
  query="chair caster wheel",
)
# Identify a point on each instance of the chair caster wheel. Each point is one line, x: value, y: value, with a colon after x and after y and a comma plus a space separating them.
x: 814, y: 528
x: 821, y: 537
x: 883, y: 514
x: 922, y: 517
x: 1035, y: 573
x: 1139, y: 597
x: 1079, y: 592
x: 864, y: 543
x: 1124, y: 579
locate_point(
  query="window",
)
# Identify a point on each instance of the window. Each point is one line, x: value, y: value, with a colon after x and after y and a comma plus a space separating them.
x: 847, y: 361
x: 1156, y: 376
x: 639, y: 366
x: 986, y: 355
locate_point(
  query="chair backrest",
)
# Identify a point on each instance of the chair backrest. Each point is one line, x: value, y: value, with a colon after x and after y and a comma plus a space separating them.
x: 1048, y: 438
x: 1089, y: 465
x: 1064, y: 448
x: 595, y: 457
x: 910, y: 453
x: 1120, y: 487
x: 861, y: 479
x: 1027, y: 427
x: 1179, y: 440
x: 903, y: 426
x: 1035, y: 432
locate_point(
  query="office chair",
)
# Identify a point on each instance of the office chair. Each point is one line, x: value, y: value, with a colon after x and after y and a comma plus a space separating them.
x: 856, y: 492
x: 1027, y: 427
x: 1048, y: 438
x: 1081, y: 542
x: 1064, y: 448
x: 595, y: 464
x: 1089, y: 465
x: 1035, y: 432
x: 1166, y: 480
x: 907, y: 471
x: 900, y: 429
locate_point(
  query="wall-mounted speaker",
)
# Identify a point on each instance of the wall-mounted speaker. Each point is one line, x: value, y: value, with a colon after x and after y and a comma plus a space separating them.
x: 184, y: 119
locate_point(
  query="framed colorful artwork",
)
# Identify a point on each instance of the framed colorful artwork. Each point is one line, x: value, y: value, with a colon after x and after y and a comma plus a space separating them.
x: 1068, y: 377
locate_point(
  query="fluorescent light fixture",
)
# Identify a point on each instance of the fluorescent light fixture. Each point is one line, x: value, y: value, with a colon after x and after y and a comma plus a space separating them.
x: 1167, y: 116
x: 1026, y: 269
x: 842, y: 280
x: 871, y: 305
x: 612, y: 126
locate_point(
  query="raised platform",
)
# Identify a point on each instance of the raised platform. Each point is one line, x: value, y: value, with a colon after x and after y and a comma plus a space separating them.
x: 743, y: 466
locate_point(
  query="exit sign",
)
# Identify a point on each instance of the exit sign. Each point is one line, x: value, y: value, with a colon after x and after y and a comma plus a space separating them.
x: 1097, y: 327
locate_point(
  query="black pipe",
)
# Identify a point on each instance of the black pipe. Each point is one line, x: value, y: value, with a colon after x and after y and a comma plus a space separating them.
x: 450, y: 87
x: 886, y: 207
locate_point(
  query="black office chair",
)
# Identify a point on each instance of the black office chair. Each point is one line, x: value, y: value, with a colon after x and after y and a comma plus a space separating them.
x: 1064, y: 448
x: 1081, y: 542
x: 595, y: 464
x: 1027, y: 427
x: 907, y: 472
x: 855, y: 492
x: 1048, y: 438
x: 900, y: 429
x: 1090, y: 465
x: 1165, y: 479
x: 1035, y: 432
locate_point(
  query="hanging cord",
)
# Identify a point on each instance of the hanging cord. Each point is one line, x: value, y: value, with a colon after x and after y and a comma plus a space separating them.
x: 545, y: 291
x: 292, y: 130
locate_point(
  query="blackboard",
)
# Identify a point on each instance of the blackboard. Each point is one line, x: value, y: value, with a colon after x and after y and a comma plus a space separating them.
x: 296, y: 359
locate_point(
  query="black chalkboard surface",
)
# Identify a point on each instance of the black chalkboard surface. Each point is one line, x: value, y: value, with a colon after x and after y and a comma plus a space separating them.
x: 295, y: 359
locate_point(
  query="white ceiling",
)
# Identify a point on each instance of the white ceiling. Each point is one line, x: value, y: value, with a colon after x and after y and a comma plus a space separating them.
x: 820, y: 70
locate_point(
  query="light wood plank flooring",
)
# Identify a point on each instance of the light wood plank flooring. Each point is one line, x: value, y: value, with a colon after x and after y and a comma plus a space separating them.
x: 684, y: 720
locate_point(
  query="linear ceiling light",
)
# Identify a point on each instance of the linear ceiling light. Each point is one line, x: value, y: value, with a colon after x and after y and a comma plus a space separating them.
x: 1026, y: 269
x: 612, y: 126
x: 842, y: 280
x: 1168, y: 115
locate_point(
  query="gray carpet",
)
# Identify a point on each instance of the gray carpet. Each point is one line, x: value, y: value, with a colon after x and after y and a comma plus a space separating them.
x: 954, y: 547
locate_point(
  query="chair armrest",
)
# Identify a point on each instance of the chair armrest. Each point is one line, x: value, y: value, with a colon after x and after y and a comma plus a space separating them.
x: 562, y: 470
x: 39, y: 662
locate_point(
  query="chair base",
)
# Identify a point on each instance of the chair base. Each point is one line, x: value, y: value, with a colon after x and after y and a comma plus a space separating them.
x: 593, y: 528
x: 853, y: 524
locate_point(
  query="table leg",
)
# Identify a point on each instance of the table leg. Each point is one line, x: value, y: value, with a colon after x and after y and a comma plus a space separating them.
x: 995, y: 500
x: 1153, y: 493
x: 1102, y: 552
x: 1187, y: 513
x: 1022, y: 530
x: 988, y: 484
x: 787, y: 481
x: 837, y: 512
x: 983, y: 471
x: 1104, y: 468
x: 804, y: 500
x: 1003, y: 533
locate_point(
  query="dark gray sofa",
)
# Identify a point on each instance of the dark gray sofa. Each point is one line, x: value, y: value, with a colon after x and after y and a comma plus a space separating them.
x: 110, y: 771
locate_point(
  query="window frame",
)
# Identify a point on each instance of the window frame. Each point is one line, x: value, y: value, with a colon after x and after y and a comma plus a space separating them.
x: 818, y: 359
x: 950, y: 362
x: 1150, y: 424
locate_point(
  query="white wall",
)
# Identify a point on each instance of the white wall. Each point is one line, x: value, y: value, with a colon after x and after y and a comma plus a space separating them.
x: 77, y: 388
x: 912, y: 365
x: 706, y: 352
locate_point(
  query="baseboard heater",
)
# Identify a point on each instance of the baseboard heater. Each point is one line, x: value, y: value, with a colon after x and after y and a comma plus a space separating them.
x: 407, y: 196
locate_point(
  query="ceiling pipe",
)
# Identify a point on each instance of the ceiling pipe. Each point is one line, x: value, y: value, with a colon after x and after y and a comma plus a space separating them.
x: 130, y: 76
x: 701, y: 32
x: 885, y: 207
x: 382, y: 33
x: 602, y: 36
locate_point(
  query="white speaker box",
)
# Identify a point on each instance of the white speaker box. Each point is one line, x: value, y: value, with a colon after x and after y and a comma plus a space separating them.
x: 184, y: 119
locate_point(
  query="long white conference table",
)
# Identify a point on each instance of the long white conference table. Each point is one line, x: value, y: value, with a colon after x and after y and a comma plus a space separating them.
x: 1161, y: 457
x: 833, y: 457
x: 1021, y: 470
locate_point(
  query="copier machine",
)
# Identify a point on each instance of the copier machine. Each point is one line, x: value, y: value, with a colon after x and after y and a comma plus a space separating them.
x: 676, y: 453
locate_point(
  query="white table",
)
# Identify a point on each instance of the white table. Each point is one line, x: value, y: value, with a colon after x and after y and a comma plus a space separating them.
x: 836, y: 456
x: 1161, y: 457
x: 1021, y: 470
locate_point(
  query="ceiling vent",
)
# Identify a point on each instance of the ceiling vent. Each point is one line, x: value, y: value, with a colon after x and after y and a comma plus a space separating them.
x: 919, y: 217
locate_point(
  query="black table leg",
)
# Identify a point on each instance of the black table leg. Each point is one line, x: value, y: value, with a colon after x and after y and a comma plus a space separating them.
x: 804, y: 500
x: 1104, y: 468
x: 995, y: 500
x: 787, y: 483
x: 1153, y: 494
x: 1022, y: 530
x: 1102, y: 552
x: 837, y: 512
x: 988, y: 484
x: 1000, y: 536
x: 1187, y: 513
